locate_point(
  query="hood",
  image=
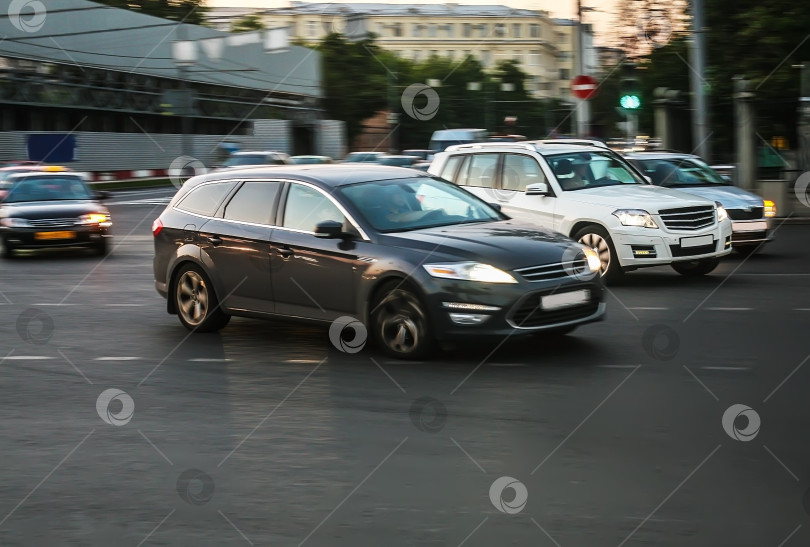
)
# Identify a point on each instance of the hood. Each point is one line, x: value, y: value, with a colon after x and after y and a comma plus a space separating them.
x: 730, y: 196
x: 636, y: 196
x: 35, y: 210
x: 505, y: 244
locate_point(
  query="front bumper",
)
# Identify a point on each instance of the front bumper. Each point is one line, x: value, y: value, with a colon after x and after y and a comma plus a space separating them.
x: 510, y: 309
x: 32, y: 238
x: 751, y: 232
x: 640, y: 247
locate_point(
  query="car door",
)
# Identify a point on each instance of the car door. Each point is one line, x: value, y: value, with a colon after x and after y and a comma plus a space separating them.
x: 312, y: 277
x: 517, y: 172
x: 477, y: 174
x: 237, y: 241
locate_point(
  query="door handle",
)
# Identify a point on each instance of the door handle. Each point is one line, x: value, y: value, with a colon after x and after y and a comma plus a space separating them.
x: 284, y: 252
x: 214, y: 240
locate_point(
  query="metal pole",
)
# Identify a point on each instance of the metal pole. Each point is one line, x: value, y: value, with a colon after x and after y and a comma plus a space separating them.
x: 580, y: 65
x: 697, y: 53
x: 185, y: 118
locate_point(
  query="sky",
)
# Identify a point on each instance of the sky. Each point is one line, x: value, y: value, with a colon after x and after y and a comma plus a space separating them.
x: 601, y: 18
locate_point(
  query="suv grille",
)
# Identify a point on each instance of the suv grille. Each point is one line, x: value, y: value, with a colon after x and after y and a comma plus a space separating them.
x: 688, y: 218
x: 559, y: 270
x: 744, y: 214
x: 53, y: 222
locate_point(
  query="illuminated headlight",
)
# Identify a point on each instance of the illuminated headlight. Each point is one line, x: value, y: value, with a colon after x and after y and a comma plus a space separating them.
x: 722, y: 214
x: 15, y: 222
x: 96, y: 218
x: 594, y: 262
x: 635, y: 217
x: 469, y: 271
x: 770, y: 208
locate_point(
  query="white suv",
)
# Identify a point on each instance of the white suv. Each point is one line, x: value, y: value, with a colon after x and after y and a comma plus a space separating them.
x: 593, y: 195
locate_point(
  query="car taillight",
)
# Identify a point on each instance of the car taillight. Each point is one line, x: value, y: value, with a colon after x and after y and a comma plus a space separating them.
x: 157, y: 226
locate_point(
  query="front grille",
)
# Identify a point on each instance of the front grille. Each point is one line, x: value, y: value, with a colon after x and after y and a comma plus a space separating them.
x: 559, y: 270
x: 529, y: 313
x: 745, y: 214
x: 53, y: 222
x: 688, y: 218
x: 677, y: 250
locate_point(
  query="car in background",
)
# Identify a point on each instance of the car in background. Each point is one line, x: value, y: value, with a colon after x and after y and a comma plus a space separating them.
x: 248, y: 158
x: 421, y: 153
x: 7, y: 172
x: 750, y: 214
x: 413, y: 258
x: 363, y: 157
x: 52, y: 209
x: 310, y: 160
x: 398, y: 160
x: 596, y: 197
x: 443, y: 138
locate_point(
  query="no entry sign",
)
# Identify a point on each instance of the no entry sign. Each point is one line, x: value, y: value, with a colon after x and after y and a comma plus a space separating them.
x: 584, y: 87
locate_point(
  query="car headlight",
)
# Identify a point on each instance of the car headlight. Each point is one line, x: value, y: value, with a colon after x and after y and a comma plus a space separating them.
x: 722, y: 214
x: 95, y: 218
x: 15, y: 222
x: 770, y: 208
x: 594, y: 262
x: 635, y: 217
x: 469, y: 271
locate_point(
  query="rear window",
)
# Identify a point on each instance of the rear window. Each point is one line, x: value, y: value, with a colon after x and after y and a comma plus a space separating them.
x: 204, y: 199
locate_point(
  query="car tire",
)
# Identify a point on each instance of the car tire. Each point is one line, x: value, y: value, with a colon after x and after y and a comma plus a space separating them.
x: 196, y: 302
x: 696, y: 268
x: 8, y: 250
x: 399, y: 322
x: 599, y: 240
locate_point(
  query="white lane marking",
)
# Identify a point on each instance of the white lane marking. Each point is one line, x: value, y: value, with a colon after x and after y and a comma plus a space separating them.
x: 28, y: 358
x: 726, y: 368
x: 617, y: 366
x: 302, y: 361
x: 730, y: 309
x: 506, y: 364
x: 117, y: 359
x: 801, y: 309
x: 649, y: 308
x: 124, y: 305
x: 207, y: 360
x: 53, y: 304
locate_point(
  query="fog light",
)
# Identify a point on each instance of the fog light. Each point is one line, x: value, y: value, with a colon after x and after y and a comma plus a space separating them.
x: 728, y: 242
x: 644, y: 251
x: 468, y: 318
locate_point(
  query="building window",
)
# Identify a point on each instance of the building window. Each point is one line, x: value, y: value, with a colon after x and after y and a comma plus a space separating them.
x: 310, y: 28
x: 449, y: 30
x: 534, y: 58
x: 561, y: 37
x: 432, y: 30
x: 484, y: 30
x: 565, y: 74
x: 518, y: 57
x: 397, y: 28
x: 516, y: 30
x: 486, y: 58
x: 534, y: 30
x: 416, y: 30
x: 499, y: 29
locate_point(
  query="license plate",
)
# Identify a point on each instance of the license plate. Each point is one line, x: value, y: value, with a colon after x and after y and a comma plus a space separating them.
x: 700, y: 241
x: 54, y: 235
x: 750, y: 226
x: 565, y: 299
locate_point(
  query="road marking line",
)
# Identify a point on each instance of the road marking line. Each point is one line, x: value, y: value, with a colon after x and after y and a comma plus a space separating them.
x: 616, y: 366
x: 302, y: 361
x: 726, y: 368
x: 207, y: 360
x: 730, y: 309
x: 28, y: 358
x: 117, y: 358
x: 649, y: 308
x: 506, y: 364
x: 124, y: 305
x: 801, y: 309
x: 54, y: 304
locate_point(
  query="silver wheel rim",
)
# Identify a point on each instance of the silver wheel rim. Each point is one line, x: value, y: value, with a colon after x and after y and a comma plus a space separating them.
x: 192, y: 298
x: 600, y: 245
x: 400, y: 319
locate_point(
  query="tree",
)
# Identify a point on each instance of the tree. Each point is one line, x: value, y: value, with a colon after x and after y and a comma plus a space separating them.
x: 188, y: 11
x: 248, y: 23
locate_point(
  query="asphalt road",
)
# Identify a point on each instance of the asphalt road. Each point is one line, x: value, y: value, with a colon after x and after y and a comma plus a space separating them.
x: 266, y: 434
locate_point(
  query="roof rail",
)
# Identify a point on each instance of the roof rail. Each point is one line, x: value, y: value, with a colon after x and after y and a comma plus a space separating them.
x: 522, y: 145
x: 579, y: 142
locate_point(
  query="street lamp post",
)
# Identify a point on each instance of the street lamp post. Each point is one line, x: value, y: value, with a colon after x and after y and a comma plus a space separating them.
x: 184, y: 54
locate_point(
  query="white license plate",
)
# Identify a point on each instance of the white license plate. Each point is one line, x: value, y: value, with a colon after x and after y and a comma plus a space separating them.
x: 700, y: 241
x: 749, y: 226
x: 565, y: 299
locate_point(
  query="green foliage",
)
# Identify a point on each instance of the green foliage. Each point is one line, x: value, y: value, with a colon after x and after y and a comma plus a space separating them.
x: 188, y: 11
x: 248, y: 23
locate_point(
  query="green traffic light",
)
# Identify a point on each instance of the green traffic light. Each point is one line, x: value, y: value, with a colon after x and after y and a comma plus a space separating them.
x: 630, y: 102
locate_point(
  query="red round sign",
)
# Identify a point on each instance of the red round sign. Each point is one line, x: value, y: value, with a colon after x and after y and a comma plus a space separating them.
x: 584, y: 87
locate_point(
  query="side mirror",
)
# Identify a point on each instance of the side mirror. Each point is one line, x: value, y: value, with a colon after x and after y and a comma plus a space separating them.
x: 329, y: 229
x: 537, y: 189
x: 496, y: 206
x: 102, y: 195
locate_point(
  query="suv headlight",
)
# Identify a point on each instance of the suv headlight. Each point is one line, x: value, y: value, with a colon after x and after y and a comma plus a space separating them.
x: 722, y: 214
x: 15, y: 222
x: 635, y: 217
x: 469, y: 271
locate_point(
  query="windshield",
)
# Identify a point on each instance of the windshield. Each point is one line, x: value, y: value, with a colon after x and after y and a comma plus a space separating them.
x: 412, y: 204
x: 36, y: 188
x: 674, y: 173
x: 582, y: 170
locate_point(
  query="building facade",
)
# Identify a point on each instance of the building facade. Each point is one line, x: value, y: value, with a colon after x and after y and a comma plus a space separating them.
x: 545, y: 48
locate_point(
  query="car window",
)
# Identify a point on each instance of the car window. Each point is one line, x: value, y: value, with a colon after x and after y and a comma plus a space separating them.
x: 519, y: 171
x: 204, y: 199
x: 306, y: 207
x: 253, y: 202
x: 479, y: 171
x: 451, y: 167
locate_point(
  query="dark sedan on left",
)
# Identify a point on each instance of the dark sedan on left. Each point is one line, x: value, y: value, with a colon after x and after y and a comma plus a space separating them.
x: 44, y: 209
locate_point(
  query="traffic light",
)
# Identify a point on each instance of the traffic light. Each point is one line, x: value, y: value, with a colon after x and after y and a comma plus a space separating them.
x: 629, y: 92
